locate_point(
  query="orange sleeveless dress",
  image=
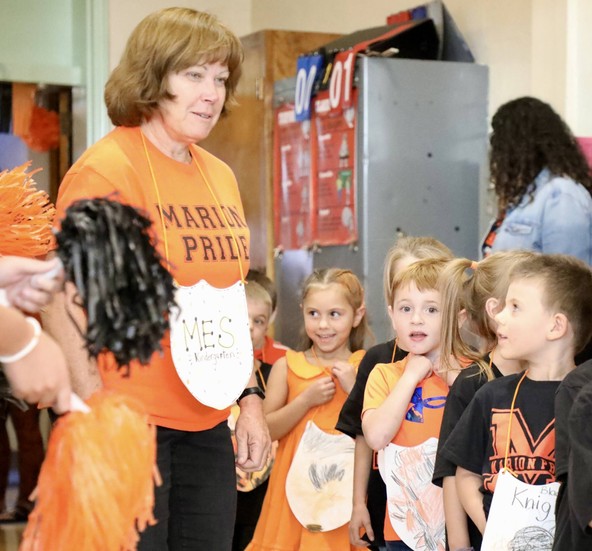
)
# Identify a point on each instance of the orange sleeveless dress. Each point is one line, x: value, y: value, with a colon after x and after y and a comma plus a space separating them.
x: 278, y: 529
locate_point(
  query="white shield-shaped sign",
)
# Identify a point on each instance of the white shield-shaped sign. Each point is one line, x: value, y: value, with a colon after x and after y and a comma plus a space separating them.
x: 521, y: 516
x: 415, y: 505
x: 211, y: 342
x: 320, y: 482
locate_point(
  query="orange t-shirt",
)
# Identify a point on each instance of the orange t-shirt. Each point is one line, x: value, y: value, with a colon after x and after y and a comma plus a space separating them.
x: 424, y: 413
x: 271, y: 351
x: 200, y: 246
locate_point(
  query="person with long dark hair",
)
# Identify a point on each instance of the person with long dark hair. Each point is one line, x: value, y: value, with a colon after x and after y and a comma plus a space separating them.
x: 542, y: 181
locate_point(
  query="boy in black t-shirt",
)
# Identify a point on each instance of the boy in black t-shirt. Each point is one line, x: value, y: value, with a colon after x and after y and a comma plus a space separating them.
x: 569, y: 535
x: 350, y: 423
x: 580, y: 469
x: 546, y: 319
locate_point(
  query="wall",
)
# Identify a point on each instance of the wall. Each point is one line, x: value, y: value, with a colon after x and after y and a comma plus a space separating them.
x: 578, y: 109
x: 38, y: 41
x: 536, y: 47
x: 124, y: 15
x: 340, y: 16
x: 497, y: 32
x: 532, y: 47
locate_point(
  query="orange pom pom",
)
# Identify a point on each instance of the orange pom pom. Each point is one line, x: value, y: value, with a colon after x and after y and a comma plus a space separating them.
x: 96, y: 489
x: 26, y: 214
x: 44, y: 130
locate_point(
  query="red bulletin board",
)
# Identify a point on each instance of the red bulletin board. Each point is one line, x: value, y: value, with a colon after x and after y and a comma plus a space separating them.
x: 334, y: 182
x: 292, y: 180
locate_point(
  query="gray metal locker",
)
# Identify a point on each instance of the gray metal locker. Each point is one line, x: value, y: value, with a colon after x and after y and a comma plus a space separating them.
x: 421, y: 169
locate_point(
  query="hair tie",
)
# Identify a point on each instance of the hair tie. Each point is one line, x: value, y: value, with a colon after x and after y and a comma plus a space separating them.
x: 474, y: 265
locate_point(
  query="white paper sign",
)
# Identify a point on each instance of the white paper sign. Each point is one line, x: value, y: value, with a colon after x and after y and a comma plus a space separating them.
x: 415, y: 506
x: 522, y: 516
x: 211, y: 342
x: 320, y: 482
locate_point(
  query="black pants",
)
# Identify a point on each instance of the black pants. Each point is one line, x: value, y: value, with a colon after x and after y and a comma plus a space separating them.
x: 196, y: 504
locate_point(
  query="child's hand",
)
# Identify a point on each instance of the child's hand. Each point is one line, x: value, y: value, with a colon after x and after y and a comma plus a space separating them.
x: 319, y: 392
x: 360, y: 520
x: 345, y: 373
x: 418, y: 368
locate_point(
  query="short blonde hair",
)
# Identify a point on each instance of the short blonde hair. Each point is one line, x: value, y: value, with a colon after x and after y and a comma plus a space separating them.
x: 425, y: 274
x: 259, y: 277
x: 255, y: 291
x: 567, y: 284
x: 418, y: 247
x: 165, y: 42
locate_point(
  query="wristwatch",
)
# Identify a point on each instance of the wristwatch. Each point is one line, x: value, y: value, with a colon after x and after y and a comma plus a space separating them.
x: 251, y: 390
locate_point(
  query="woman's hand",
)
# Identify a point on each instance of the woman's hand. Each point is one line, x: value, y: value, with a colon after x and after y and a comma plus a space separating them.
x: 41, y: 376
x: 29, y: 284
x: 252, y: 435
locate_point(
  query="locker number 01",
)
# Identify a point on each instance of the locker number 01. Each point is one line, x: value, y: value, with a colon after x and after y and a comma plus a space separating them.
x: 340, y: 86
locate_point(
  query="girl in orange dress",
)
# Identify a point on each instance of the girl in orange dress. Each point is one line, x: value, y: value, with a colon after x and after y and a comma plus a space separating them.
x: 308, y: 502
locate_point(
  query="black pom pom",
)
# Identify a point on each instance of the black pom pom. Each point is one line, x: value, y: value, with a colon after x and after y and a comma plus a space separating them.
x: 109, y: 255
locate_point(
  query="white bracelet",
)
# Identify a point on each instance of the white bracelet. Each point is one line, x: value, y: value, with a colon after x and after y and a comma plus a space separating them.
x: 28, y: 348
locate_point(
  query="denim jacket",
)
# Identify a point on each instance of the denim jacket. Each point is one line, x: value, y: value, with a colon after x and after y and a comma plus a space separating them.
x: 556, y: 219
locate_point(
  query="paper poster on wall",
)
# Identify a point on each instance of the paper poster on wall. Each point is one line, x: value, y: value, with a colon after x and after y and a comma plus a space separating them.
x: 335, y: 182
x: 292, y: 180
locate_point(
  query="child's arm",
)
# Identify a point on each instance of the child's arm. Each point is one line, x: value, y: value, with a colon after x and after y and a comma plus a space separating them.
x: 360, y: 517
x: 282, y: 416
x: 468, y: 485
x: 457, y: 531
x: 381, y: 424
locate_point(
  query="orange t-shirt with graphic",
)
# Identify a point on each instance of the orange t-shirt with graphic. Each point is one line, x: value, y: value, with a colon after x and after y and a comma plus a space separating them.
x: 424, y: 413
x: 205, y: 240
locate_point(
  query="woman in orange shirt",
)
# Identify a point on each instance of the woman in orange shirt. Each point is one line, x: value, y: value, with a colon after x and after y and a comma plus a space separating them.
x: 177, y: 75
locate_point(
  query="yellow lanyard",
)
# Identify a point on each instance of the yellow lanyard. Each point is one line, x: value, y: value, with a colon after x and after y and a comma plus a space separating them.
x: 164, y: 230
x: 261, y: 378
x: 319, y: 364
x: 394, y: 352
x: 510, y: 424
